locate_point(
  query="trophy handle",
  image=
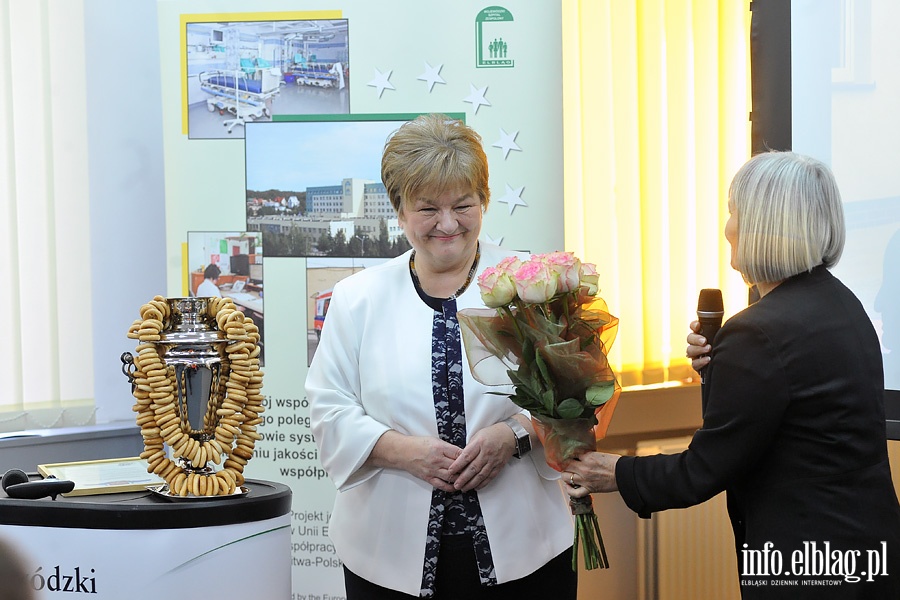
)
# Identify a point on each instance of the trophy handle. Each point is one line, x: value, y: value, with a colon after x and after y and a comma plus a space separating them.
x: 128, y: 368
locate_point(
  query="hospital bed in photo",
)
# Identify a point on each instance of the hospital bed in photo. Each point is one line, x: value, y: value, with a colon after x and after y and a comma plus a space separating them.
x: 244, y: 97
x: 314, y: 75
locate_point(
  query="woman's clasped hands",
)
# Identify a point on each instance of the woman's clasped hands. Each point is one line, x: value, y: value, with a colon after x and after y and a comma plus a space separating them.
x: 450, y: 468
x: 479, y: 463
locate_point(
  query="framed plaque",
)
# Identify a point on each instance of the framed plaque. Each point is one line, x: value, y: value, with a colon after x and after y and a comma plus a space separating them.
x: 107, y: 476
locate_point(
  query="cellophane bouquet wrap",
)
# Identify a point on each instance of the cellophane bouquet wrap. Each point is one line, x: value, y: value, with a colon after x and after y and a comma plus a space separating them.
x: 548, y: 331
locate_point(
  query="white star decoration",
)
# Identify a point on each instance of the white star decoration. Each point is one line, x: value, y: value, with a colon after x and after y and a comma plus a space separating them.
x: 491, y: 240
x: 432, y: 75
x: 476, y: 97
x: 507, y: 142
x: 381, y: 82
x: 513, y: 198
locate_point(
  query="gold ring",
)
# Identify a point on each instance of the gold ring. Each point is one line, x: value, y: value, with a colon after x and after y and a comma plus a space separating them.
x: 572, y: 480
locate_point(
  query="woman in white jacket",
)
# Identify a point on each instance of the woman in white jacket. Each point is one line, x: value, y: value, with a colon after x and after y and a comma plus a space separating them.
x: 439, y: 495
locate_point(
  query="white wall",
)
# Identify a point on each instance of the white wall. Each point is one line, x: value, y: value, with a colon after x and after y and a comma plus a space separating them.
x: 124, y: 119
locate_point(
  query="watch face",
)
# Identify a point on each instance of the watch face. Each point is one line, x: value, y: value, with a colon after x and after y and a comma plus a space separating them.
x: 523, y: 441
x: 524, y: 444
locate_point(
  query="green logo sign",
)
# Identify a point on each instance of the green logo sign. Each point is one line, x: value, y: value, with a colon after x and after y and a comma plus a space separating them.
x: 491, y: 50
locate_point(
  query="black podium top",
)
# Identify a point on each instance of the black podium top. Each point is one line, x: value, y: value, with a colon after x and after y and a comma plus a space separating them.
x: 147, y: 510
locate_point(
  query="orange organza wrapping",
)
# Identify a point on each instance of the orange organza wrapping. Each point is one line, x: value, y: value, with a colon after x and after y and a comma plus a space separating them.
x: 555, y: 355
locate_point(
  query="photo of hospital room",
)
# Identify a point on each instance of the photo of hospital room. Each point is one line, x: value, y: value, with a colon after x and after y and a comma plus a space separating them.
x: 249, y: 71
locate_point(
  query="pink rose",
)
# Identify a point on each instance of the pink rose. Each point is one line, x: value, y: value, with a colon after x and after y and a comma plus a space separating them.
x: 590, y: 279
x: 497, y: 287
x: 509, y: 265
x: 535, y: 282
x: 567, y: 266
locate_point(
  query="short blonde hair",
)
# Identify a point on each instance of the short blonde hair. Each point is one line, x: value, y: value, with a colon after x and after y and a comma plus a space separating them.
x: 433, y: 153
x: 790, y: 216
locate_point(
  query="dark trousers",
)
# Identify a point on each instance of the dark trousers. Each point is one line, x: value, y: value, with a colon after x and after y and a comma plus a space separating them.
x: 457, y: 579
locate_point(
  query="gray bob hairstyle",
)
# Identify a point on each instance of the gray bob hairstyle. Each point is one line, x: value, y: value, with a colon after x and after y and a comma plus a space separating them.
x: 433, y: 153
x: 790, y: 216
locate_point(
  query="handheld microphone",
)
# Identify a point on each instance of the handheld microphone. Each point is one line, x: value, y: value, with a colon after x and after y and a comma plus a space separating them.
x: 710, y: 310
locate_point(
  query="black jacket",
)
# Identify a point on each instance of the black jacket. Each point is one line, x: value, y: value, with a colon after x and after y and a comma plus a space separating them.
x: 794, y: 430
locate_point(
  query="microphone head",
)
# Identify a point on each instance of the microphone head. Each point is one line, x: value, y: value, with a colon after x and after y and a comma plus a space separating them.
x: 710, y: 301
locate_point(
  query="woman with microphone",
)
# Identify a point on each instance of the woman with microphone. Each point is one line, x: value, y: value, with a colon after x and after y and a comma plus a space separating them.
x: 793, y: 416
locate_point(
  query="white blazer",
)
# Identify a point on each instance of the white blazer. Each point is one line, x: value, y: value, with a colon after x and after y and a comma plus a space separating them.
x: 371, y: 373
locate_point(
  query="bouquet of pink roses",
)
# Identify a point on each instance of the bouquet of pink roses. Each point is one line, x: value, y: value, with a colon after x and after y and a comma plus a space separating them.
x: 548, y: 332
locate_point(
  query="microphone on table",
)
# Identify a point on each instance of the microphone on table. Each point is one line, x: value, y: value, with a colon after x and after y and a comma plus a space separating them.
x: 16, y: 483
x: 710, y: 310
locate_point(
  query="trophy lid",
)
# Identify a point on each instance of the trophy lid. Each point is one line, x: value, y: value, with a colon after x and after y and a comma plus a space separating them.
x: 191, y: 322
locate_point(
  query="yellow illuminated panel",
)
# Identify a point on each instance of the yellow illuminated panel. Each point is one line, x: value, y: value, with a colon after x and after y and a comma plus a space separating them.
x: 656, y: 99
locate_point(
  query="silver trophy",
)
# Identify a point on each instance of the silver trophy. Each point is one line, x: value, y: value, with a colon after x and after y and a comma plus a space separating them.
x: 197, y: 384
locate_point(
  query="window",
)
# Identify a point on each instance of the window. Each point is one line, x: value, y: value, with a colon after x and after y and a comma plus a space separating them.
x: 46, y: 377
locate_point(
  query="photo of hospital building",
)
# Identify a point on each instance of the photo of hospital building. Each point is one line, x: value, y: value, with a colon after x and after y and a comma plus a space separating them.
x: 356, y: 212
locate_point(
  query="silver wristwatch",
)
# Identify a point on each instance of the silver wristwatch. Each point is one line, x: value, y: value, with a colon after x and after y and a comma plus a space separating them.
x: 523, y: 440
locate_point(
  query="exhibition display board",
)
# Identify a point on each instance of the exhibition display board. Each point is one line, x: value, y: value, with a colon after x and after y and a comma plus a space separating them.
x: 274, y: 120
x: 139, y: 545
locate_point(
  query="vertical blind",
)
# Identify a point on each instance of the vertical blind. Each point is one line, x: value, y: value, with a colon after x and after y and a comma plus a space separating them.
x: 656, y: 105
x: 46, y: 373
